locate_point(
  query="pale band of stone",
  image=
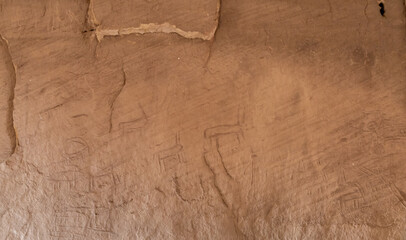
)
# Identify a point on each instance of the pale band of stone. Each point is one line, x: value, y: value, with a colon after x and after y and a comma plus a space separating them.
x: 154, y: 28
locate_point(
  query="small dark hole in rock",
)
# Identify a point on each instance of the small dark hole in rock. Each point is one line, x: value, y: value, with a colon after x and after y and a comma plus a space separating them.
x: 90, y: 30
x: 382, y: 10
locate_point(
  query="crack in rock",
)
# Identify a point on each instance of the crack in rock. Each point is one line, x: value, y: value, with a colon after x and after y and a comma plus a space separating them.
x: 218, y: 19
x: 112, y: 105
x: 215, y: 183
x: 404, y: 8
x: 91, y: 20
x: 12, y: 131
x: 151, y: 28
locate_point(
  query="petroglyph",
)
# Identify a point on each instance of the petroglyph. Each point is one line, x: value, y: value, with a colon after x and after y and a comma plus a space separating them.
x: 170, y: 158
x: 202, y: 119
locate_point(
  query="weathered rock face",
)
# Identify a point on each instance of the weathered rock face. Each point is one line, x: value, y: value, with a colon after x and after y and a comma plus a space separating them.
x: 245, y: 119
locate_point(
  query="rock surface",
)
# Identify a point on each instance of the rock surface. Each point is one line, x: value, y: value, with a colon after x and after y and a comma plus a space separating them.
x: 245, y: 119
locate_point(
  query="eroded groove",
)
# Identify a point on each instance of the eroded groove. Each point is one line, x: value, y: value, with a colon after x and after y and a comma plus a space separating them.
x: 151, y: 28
x: 221, y: 194
x: 112, y: 105
x: 218, y: 19
x: 10, y: 114
x: 365, y: 11
x: 222, y: 161
x: 404, y: 8
x: 91, y: 20
x: 177, y: 190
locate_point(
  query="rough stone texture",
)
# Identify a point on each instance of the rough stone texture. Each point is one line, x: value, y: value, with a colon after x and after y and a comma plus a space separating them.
x: 244, y: 119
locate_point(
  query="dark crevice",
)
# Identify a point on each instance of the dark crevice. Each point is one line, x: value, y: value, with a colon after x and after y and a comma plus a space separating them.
x: 382, y: 9
x: 90, y: 30
x: 404, y: 8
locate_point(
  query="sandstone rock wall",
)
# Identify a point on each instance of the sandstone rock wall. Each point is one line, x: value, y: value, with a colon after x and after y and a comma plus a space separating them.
x: 231, y: 119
